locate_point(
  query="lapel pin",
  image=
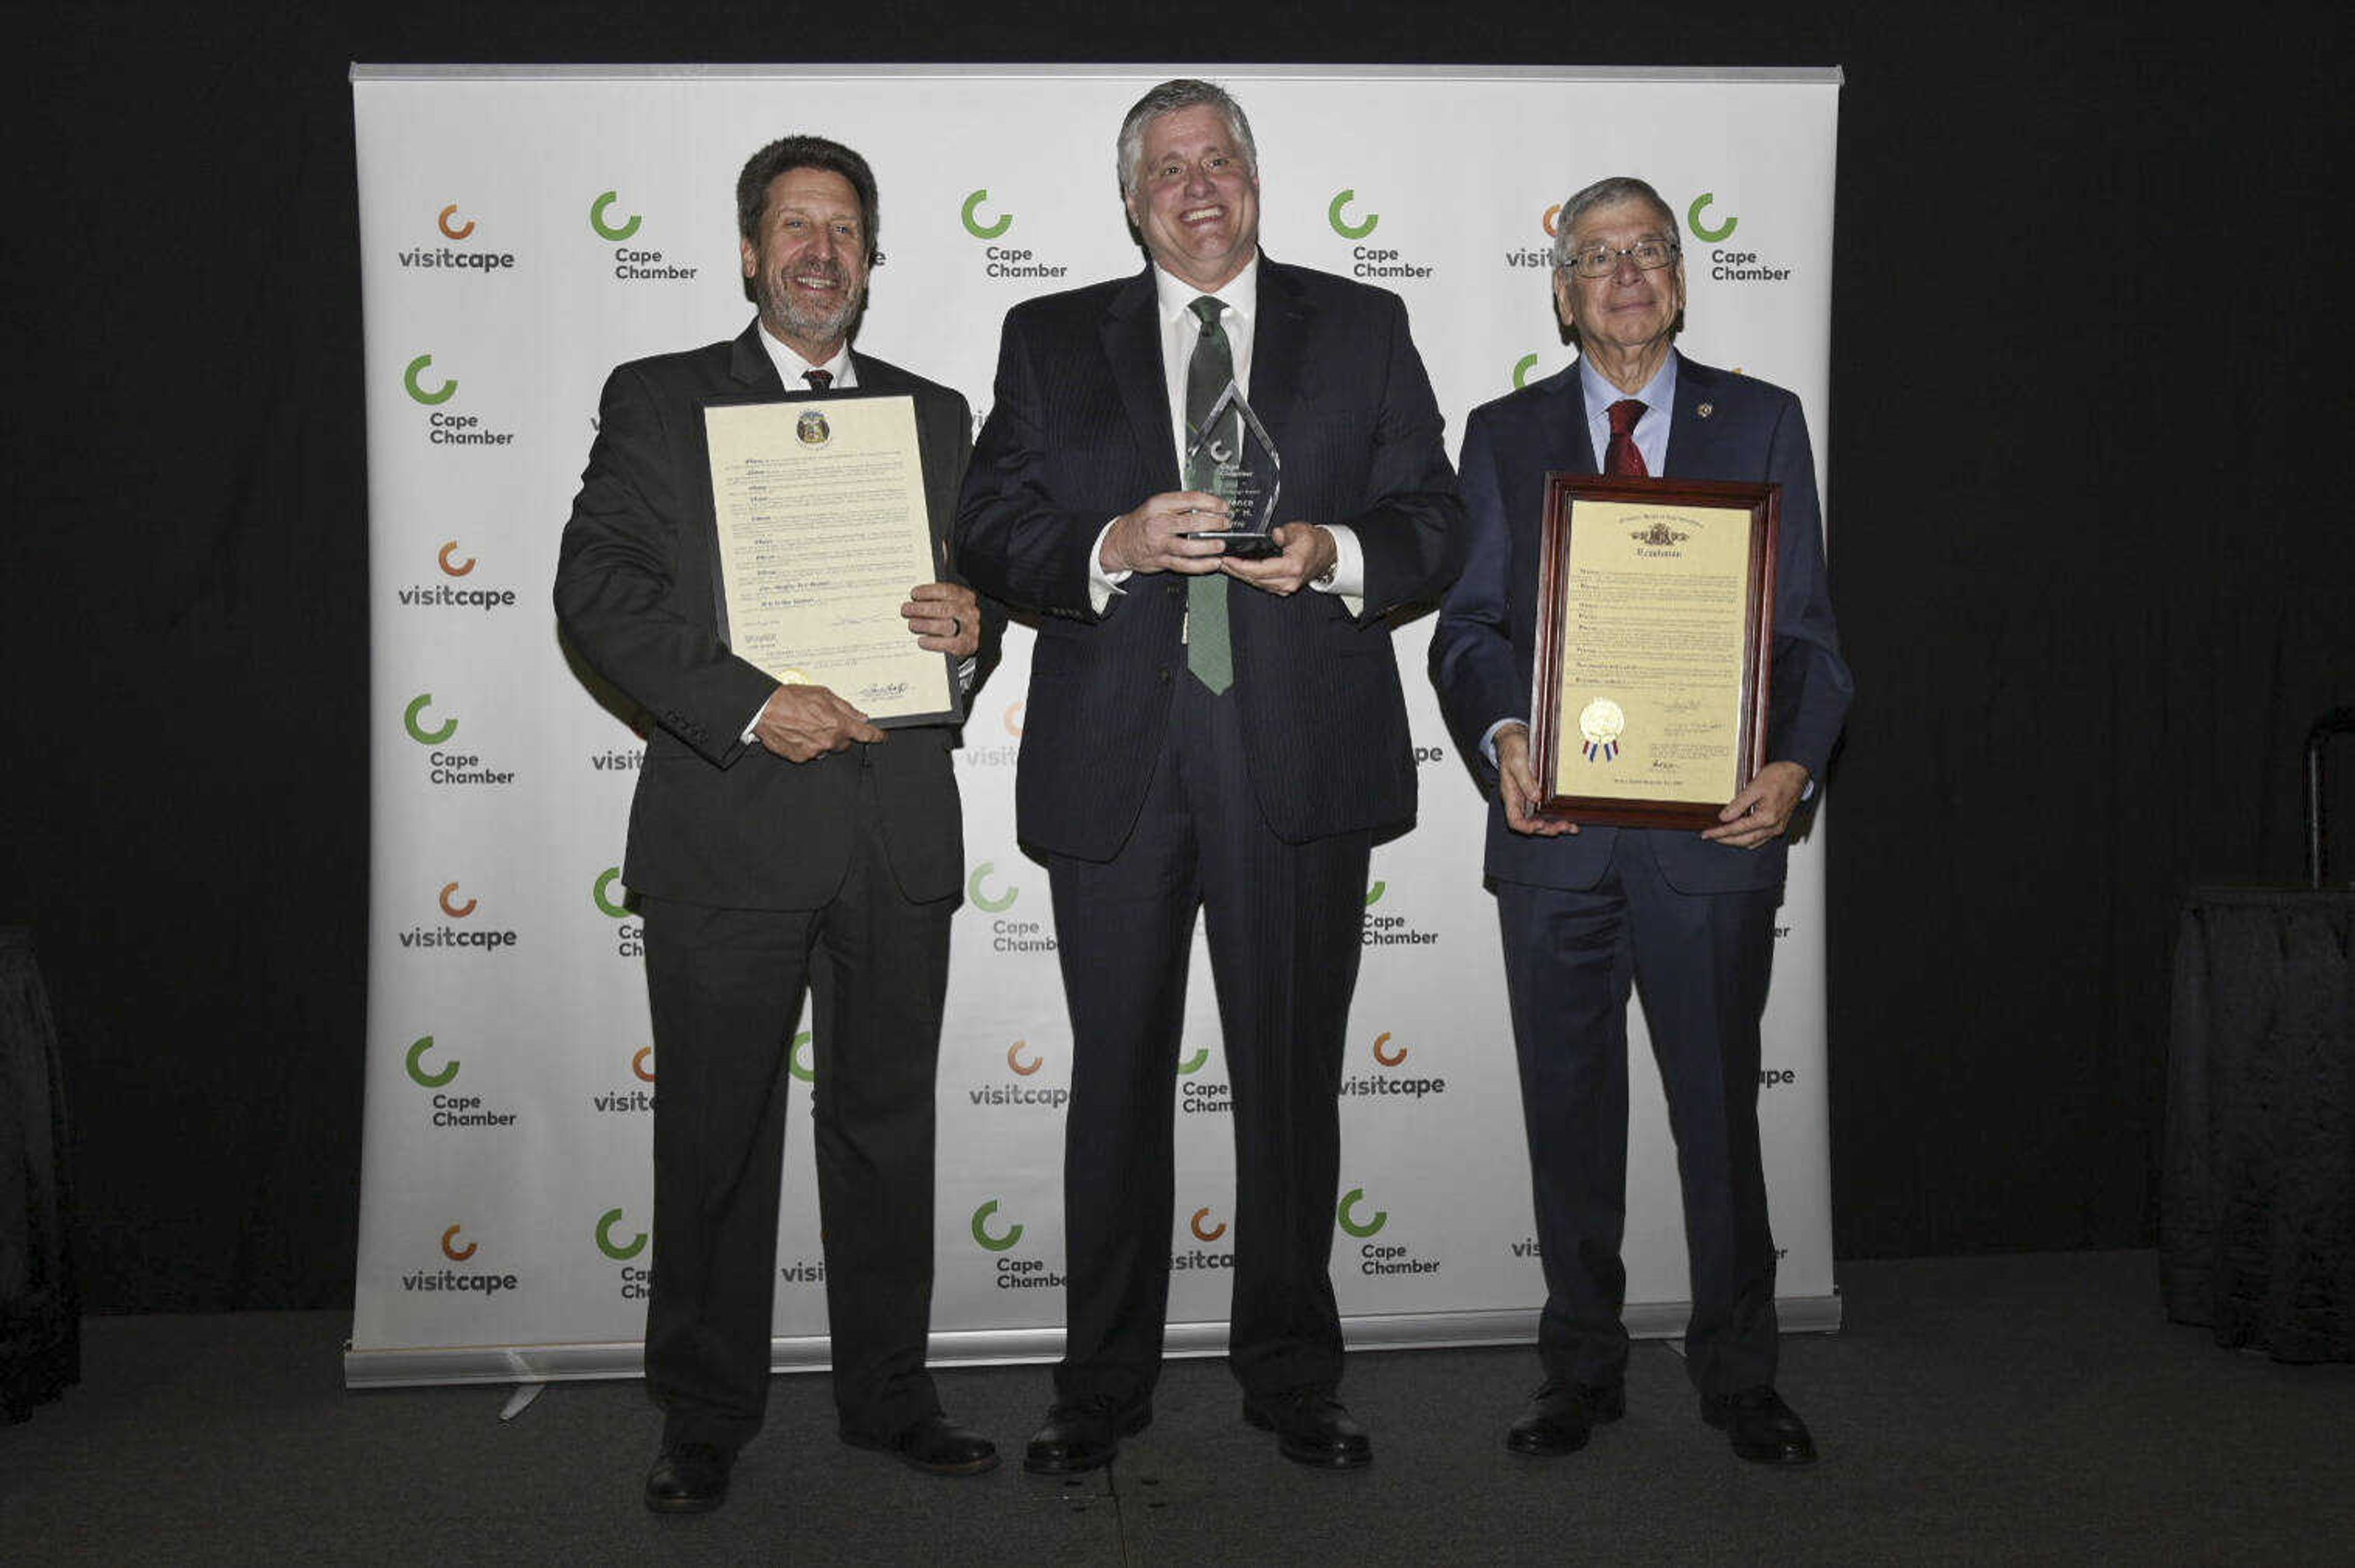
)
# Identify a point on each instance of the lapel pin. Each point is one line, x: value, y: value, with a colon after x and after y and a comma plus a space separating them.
x: 1706, y: 409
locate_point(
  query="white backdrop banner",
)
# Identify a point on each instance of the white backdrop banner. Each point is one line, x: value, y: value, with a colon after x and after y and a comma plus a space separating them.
x: 522, y: 231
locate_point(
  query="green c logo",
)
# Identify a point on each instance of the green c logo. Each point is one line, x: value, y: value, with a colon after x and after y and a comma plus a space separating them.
x: 408, y: 378
x: 980, y: 1229
x: 1374, y: 894
x: 606, y: 1243
x: 416, y: 1072
x: 597, y: 210
x: 793, y: 1059
x: 1194, y: 1064
x: 982, y: 900
x: 607, y: 879
x: 1381, y: 1216
x: 1702, y: 231
x: 984, y: 231
x: 1521, y: 369
x: 1350, y: 231
x: 424, y: 737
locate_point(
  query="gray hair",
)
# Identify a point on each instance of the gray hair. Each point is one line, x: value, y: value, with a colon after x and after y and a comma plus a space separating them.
x: 1604, y: 193
x: 1168, y: 98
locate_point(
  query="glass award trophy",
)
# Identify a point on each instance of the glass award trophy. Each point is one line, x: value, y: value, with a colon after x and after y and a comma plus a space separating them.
x: 1232, y: 457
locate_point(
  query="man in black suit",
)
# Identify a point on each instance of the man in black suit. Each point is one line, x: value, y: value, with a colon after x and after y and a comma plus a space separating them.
x: 1207, y: 731
x: 778, y: 840
x: 1688, y: 917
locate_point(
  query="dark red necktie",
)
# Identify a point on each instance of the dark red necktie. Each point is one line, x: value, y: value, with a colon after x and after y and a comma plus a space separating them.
x: 1623, y: 459
x: 820, y: 381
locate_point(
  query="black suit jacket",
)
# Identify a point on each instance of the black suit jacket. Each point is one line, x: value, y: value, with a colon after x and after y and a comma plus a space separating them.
x: 1484, y: 651
x: 1081, y: 433
x: 717, y: 821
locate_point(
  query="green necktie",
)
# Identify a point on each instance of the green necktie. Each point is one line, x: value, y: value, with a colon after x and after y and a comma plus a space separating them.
x: 1208, y: 653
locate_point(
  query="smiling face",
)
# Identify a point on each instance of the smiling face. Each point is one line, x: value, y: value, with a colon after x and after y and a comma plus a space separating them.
x: 807, y: 261
x: 1195, y: 198
x: 1627, y: 313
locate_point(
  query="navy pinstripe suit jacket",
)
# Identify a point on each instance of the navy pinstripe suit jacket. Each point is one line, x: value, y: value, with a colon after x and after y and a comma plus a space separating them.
x: 1079, y: 433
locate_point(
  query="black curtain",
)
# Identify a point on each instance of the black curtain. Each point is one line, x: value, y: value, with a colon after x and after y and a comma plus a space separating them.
x: 2088, y: 544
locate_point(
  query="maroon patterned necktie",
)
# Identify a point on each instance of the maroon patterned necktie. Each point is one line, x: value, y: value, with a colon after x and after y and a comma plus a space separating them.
x: 1623, y: 459
x: 820, y: 381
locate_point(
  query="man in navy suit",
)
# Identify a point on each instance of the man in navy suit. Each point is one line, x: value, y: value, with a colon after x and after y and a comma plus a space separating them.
x: 779, y: 841
x: 1207, y: 732
x: 1688, y: 918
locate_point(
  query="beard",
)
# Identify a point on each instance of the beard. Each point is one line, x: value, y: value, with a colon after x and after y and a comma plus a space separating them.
x: 789, y: 317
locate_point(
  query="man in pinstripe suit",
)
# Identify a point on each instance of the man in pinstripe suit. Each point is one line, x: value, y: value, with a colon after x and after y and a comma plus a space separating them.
x: 1205, y: 731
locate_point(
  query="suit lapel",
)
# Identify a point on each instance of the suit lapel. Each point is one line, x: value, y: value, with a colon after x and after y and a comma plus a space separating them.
x: 1567, y: 445
x: 749, y: 363
x: 1695, y: 449
x: 1131, y: 346
x: 1279, y: 347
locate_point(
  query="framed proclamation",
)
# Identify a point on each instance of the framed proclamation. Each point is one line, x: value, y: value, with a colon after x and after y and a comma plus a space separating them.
x: 822, y: 529
x: 1656, y: 604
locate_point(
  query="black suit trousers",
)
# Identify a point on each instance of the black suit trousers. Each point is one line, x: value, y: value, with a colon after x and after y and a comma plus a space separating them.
x: 1700, y: 963
x: 1284, y: 922
x: 726, y: 986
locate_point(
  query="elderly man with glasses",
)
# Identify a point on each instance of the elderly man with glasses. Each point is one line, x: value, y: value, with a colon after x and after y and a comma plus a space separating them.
x: 1689, y: 917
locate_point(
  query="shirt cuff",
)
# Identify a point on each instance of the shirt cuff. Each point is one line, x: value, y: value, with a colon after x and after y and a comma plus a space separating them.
x: 1348, y: 576
x: 1488, y: 739
x: 1102, y: 584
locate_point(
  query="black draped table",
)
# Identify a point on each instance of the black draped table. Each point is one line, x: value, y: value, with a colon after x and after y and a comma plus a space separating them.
x: 2257, y: 1193
x: 40, y: 1321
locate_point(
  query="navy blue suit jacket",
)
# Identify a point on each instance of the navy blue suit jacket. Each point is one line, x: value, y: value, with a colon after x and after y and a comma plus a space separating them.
x: 1079, y: 433
x: 1484, y: 651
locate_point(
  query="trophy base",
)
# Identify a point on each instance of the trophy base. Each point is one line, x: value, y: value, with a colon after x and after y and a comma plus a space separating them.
x: 1242, y: 546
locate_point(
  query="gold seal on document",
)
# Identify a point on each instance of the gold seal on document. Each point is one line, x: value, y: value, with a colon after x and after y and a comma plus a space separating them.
x: 795, y: 677
x: 1600, y: 723
x: 813, y: 430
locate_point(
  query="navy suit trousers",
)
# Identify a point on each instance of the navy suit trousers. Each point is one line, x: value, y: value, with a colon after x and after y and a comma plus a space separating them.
x: 1700, y: 963
x: 1284, y: 924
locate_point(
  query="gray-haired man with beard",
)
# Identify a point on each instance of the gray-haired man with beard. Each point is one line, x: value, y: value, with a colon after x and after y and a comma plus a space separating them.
x: 778, y: 842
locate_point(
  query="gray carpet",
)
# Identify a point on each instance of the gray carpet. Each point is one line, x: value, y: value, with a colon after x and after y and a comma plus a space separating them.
x: 2023, y: 1410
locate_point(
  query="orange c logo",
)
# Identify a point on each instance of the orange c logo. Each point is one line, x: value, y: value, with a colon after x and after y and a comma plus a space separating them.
x: 450, y: 212
x: 641, y: 1064
x: 452, y: 567
x: 453, y: 910
x: 1550, y: 214
x: 1014, y: 720
x: 1013, y: 1060
x: 455, y: 1254
x: 1387, y: 1058
x: 1206, y: 1234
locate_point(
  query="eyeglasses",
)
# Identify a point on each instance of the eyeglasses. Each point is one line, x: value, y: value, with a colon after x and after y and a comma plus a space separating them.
x: 1602, y: 261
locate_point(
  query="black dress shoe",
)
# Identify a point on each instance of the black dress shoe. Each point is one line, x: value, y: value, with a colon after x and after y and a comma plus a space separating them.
x: 1083, y: 1434
x: 1312, y: 1427
x: 1762, y: 1427
x: 689, y: 1477
x: 1560, y: 1415
x: 933, y: 1443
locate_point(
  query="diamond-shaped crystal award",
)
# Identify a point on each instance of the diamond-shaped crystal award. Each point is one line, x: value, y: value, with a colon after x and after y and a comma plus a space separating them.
x: 1233, y: 448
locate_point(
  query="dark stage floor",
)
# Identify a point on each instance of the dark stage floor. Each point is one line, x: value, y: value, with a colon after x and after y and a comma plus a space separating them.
x: 2017, y: 1410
